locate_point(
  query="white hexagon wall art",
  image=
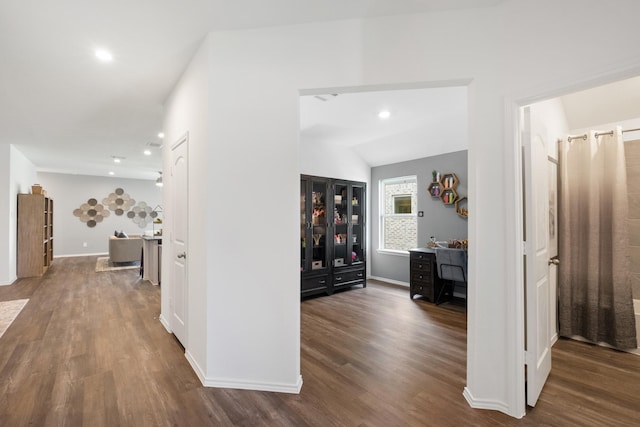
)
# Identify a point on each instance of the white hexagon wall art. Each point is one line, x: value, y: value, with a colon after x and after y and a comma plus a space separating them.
x: 91, y: 213
x: 119, y: 202
x: 142, y: 214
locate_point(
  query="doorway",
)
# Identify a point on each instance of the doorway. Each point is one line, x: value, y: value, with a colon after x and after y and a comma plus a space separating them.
x: 602, y: 107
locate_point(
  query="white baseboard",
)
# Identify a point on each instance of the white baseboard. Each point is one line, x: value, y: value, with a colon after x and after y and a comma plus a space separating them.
x: 393, y: 282
x: 164, y: 323
x: 76, y: 255
x: 12, y: 280
x: 257, y: 386
x: 240, y: 384
x: 495, y: 405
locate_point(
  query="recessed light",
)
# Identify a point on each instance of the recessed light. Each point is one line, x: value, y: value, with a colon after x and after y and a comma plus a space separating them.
x: 104, y: 55
x: 147, y: 152
x: 112, y: 173
x: 384, y: 114
x: 116, y: 160
x: 161, y: 135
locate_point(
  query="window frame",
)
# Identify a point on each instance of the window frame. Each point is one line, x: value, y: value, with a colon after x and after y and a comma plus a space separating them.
x: 382, y: 200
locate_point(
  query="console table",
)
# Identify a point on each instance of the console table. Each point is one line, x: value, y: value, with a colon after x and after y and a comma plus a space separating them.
x: 151, y: 259
x: 424, y: 278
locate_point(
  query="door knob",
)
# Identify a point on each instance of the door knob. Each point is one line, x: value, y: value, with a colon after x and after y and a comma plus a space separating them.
x: 554, y: 261
x: 182, y: 255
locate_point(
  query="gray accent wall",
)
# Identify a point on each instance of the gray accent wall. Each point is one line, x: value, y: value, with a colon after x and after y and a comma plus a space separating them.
x: 439, y: 220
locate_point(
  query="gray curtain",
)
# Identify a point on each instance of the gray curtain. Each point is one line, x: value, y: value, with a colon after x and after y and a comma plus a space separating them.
x: 594, y: 288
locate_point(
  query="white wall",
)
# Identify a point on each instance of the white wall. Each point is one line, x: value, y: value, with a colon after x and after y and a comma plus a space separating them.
x: 18, y: 175
x: 70, y: 191
x: 517, y: 52
x: 187, y: 112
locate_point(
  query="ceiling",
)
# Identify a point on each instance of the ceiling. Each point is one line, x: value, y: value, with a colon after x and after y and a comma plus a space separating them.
x: 422, y: 122
x: 69, y: 113
x: 602, y: 105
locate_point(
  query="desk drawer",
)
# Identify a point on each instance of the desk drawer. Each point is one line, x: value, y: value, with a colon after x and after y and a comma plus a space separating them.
x: 424, y: 289
x: 421, y: 266
x: 422, y: 256
x: 421, y: 277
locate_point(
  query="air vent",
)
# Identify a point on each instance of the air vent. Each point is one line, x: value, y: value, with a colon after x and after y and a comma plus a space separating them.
x: 154, y: 144
x: 324, y: 98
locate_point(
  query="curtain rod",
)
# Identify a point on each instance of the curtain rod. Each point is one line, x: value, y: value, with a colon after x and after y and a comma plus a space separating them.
x: 597, y: 134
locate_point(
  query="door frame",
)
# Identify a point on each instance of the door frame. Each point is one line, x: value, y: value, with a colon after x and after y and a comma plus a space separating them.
x: 514, y: 185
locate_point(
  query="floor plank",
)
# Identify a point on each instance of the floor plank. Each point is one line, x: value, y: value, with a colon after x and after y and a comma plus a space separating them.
x: 88, y: 349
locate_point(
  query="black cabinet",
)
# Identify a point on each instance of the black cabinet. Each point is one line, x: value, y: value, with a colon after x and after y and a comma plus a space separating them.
x: 424, y: 278
x: 332, y: 234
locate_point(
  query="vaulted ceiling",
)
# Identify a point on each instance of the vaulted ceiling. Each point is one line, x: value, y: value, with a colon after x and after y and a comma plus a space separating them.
x: 68, y: 112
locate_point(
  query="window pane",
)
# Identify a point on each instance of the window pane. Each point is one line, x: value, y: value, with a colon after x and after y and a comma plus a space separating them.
x: 402, y: 204
x: 400, y: 232
x: 399, y: 225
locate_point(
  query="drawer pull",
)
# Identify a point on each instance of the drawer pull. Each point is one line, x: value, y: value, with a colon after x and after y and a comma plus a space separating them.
x: 322, y: 282
x: 419, y: 265
x: 338, y: 278
x: 359, y: 274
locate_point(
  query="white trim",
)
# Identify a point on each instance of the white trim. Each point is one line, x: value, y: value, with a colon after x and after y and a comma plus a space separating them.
x: 241, y: 384
x: 393, y: 252
x: 393, y: 282
x: 496, y: 405
x: 196, y: 368
x: 163, y: 321
x: 12, y: 280
x: 76, y: 255
x: 257, y: 386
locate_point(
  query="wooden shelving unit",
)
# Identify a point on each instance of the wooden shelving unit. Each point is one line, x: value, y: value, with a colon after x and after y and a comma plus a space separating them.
x: 35, y: 234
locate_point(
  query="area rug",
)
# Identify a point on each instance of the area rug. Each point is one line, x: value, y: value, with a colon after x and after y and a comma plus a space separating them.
x: 9, y: 310
x: 103, y: 264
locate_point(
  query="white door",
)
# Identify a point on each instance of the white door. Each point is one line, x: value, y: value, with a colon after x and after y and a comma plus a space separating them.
x: 538, y: 347
x: 179, y: 239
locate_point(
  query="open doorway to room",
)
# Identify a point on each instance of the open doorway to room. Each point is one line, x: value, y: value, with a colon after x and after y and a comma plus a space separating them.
x: 414, y: 136
x: 587, y: 121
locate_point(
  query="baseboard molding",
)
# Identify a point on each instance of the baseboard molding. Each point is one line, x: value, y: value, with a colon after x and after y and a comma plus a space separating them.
x: 11, y: 282
x: 393, y: 282
x: 495, y: 405
x: 196, y: 368
x: 242, y: 385
x: 256, y: 386
x: 164, y: 323
x: 77, y: 255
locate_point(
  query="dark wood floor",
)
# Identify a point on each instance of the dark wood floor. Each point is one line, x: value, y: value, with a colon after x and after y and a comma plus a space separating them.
x: 88, y: 349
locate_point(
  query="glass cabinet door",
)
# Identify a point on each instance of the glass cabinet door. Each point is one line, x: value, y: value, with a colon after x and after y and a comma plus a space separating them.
x: 304, y: 226
x: 316, y: 237
x: 341, y: 255
x: 357, y: 235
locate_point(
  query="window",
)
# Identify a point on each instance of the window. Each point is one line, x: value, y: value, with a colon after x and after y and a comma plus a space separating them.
x: 402, y: 204
x: 398, y: 219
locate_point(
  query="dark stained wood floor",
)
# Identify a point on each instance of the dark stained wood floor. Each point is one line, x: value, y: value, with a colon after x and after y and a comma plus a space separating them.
x: 88, y: 349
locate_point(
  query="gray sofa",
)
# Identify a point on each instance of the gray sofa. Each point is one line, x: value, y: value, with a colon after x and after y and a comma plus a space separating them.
x: 125, y: 249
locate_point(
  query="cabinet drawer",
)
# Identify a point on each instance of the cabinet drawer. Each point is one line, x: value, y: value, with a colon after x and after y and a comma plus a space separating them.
x: 320, y: 282
x: 421, y: 256
x: 348, y: 278
x: 421, y: 277
x: 423, y: 266
x: 424, y: 289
